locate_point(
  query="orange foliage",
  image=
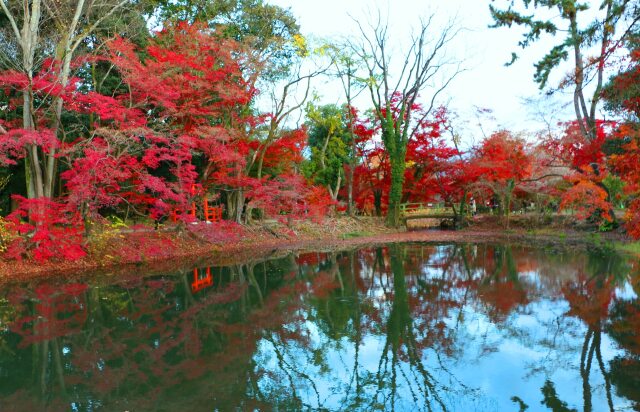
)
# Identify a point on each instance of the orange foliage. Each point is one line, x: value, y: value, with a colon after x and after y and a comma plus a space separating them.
x: 627, y: 165
x: 589, y: 299
x: 586, y: 196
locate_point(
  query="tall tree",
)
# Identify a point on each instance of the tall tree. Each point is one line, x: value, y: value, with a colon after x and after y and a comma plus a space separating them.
x: 613, y: 23
x: 502, y: 163
x: 348, y: 69
x: 71, y: 24
x: 394, y: 89
x: 599, y: 33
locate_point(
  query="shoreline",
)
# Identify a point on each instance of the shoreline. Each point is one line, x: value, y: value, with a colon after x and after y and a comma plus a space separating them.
x: 188, y: 252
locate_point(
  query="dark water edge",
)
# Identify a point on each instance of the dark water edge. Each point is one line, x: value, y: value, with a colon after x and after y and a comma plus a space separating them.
x: 403, y: 327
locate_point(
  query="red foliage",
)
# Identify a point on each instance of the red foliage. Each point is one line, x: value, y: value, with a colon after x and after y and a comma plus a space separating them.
x: 286, y: 152
x: 575, y: 150
x: 290, y: 196
x: 53, y: 232
x: 206, y: 75
x: 502, y: 157
x: 589, y: 299
x: 317, y: 203
x: 627, y: 162
x: 633, y: 219
x: 627, y: 165
x: 587, y: 161
x: 429, y: 161
x: 586, y: 196
x: 14, y: 143
x: 218, y: 232
x: 186, y: 118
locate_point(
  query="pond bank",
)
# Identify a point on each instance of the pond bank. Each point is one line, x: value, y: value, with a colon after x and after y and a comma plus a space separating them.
x: 174, y: 250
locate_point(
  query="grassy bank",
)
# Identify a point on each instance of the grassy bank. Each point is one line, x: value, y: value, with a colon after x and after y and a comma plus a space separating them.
x: 176, y: 248
x: 629, y: 247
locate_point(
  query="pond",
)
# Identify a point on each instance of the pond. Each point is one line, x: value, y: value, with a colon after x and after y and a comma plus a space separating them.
x: 406, y: 327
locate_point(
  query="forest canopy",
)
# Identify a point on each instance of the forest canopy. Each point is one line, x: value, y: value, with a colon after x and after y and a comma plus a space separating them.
x: 159, y: 112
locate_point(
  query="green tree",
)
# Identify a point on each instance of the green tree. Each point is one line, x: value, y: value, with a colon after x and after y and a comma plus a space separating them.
x: 599, y: 33
x: 348, y: 68
x: 267, y: 29
x: 329, y: 141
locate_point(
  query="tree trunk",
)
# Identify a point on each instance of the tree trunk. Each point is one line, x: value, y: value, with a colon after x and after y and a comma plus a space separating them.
x: 395, y: 193
x: 350, y: 206
x: 377, y: 202
x: 28, y: 42
x: 239, y: 205
x: 352, y: 167
x: 231, y: 206
x: 511, y: 184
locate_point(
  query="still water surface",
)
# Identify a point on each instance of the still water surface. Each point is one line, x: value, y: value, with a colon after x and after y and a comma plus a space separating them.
x: 467, y: 327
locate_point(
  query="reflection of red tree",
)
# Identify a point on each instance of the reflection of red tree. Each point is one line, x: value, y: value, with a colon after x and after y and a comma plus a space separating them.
x: 310, y: 258
x: 589, y: 299
x: 502, y: 297
x: 58, y: 312
x: 500, y: 288
x: 155, y: 337
x: 324, y: 283
x: 526, y: 264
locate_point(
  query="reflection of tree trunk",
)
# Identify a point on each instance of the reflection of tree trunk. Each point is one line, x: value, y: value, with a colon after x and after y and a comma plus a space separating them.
x: 467, y: 271
x: 44, y: 361
x: 254, y: 282
x: 253, y: 381
x: 499, y: 262
x: 237, y: 271
x: 294, y: 265
x: 400, y: 321
x: 287, y: 368
x: 585, y: 368
x: 93, y: 302
x: 605, y: 374
x: 188, y: 296
x: 357, y: 322
x: 58, y: 364
x: 400, y: 332
x: 335, y: 271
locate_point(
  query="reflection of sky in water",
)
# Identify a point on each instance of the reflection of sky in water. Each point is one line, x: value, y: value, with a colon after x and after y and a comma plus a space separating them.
x: 482, y: 323
x: 626, y: 292
x: 491, y: 362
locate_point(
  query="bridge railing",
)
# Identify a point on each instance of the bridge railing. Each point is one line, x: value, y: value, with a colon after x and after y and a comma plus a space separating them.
x: 423, y: 208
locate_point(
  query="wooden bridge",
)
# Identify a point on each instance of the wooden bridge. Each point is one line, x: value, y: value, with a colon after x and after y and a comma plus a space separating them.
x: 410, y: 211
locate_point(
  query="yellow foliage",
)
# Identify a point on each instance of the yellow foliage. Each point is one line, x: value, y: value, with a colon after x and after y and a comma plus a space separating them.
x: 106, y: 235
x: 300, y: 43
x: 7, y: 234
x: 4, y: 181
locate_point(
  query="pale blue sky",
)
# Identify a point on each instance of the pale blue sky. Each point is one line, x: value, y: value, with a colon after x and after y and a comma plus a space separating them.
x: 487, y: 82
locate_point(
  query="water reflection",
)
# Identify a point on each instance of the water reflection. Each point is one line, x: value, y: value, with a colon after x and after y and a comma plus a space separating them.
x: 405, y: 327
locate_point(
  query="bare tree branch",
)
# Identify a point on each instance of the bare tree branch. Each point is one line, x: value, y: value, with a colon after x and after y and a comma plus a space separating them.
x: 12, y: 20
